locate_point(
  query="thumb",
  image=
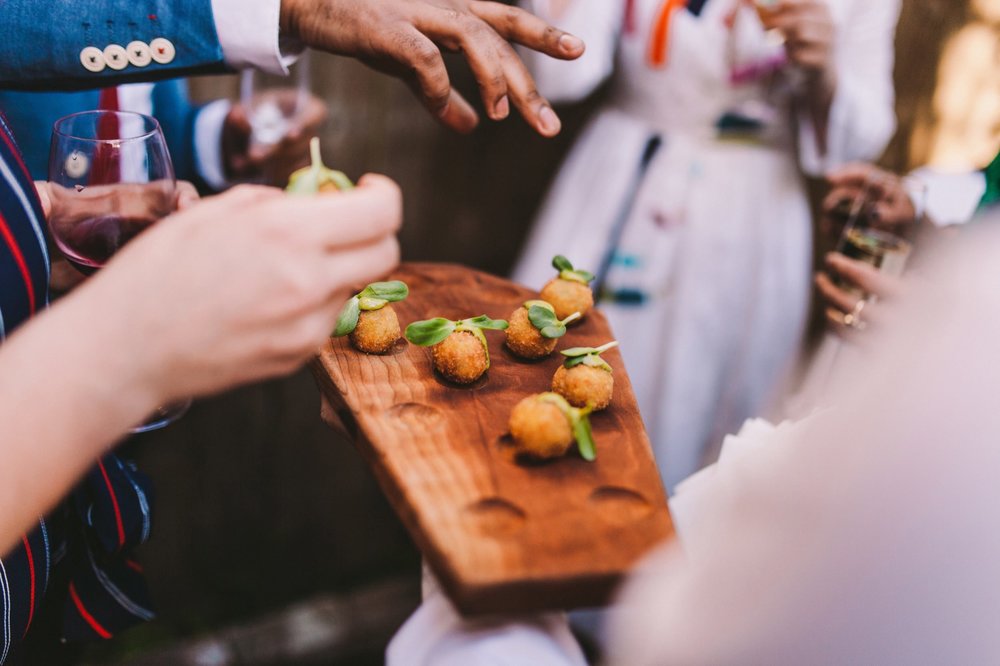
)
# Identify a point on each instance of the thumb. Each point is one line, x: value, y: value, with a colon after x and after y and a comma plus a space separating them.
x: 42, y: 187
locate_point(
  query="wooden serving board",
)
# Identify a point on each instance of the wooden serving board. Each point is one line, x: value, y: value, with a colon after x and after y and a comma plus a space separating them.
x: 501, y: 535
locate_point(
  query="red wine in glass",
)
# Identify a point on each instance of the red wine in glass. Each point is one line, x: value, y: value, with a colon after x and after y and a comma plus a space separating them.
x: 110, y: 178
x: 91, y: 242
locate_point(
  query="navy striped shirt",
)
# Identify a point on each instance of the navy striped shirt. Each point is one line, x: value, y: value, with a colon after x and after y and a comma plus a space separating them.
x: 101, y: 590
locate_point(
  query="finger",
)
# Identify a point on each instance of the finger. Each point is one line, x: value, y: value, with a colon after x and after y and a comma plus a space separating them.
x: 840, y: 199
x: 865, y: 276
x: 481, y: 45
x: 422, y: 58
x: 42, y: 187
x: 524, y: 93
x: 187, y: 195
x: 855, y: 175
x: 834, y: 295
x: 358, y: 265
x: 363, y: 215
x: 528, y: 30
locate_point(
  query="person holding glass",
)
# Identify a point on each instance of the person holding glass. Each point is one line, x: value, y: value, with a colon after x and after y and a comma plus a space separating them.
x: 685, y: 193
x: 221, y: 293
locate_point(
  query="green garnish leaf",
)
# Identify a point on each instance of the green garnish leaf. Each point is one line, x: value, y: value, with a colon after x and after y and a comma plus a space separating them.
x: 315, y: 177
x: 579, y: 421
x: 590, y: 356
x: 390, y: 292
x: 348, y: 319
x: 553, y: 332
x: 583, y: 277
x: 542, y: 304
x: 584, y: 437
x: 430, y: 332
x: 561, y: 263
x: 484, y: 322
x: 369, y: 303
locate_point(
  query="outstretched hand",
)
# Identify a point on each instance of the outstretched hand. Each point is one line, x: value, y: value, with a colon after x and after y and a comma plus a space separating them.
x: 405, y: 38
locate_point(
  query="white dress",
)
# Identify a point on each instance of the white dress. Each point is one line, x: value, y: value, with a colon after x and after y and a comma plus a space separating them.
x: 714, y: 238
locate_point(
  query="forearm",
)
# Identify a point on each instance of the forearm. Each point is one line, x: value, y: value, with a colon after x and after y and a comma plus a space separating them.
x: 68, y: 391
x: 820, y: 91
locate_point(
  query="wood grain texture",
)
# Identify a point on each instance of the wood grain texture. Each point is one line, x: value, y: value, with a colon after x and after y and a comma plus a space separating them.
x: 501, y: 535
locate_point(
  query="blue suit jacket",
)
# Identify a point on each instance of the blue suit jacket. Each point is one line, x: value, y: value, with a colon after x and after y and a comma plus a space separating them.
x: 31, y: 116
x: 41, y: 43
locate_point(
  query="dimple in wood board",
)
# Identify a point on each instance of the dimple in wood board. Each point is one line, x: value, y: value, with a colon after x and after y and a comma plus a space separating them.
x: 501, y: 534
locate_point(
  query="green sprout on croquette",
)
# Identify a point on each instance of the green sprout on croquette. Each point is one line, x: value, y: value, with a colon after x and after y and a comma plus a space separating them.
x: 543, y: 317
x: 579, y: 420
x: 590, y: 356
x: 567, y: 272
x: 373, y: 297
x: 430, y: 332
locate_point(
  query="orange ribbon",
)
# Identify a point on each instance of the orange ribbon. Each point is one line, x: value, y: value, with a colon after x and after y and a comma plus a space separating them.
x: 659, y: 42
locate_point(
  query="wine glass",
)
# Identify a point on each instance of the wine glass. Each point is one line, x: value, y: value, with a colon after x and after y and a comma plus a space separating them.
x: 274, y: 103
x: 110, y: 177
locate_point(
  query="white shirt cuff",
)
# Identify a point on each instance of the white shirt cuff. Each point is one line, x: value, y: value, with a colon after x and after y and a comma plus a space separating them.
x: 952, y: 198
x: 249, y: 33
x: 208, y: 144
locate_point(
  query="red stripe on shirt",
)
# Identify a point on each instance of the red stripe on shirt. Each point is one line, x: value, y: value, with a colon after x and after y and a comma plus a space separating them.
x: 114, y: 504
x: 133, y: 565
x: 31, y: 573
x: 22, y: 265
x: 9, y: 140
x: 94, y: 624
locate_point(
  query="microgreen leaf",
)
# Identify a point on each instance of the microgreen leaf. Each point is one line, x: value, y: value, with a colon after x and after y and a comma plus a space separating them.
x: 348, y: 319
x: 484, y: 322
x: 584, y: 437
x: 583, y: 277
x: 429, y: 332
x: 391, y: 292
x: 542, y: 304
x: 553, y: 332
x: 579, y: 421
x: 561, y: 263
x: 541, y: 317
x: 590, y: 356
x: 369, y: 303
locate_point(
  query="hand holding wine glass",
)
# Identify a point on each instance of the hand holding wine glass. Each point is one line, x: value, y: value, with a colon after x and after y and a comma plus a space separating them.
x: 110, y: 178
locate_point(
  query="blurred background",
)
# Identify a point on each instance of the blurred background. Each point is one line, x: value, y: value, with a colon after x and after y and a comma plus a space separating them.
x: 272, y: 541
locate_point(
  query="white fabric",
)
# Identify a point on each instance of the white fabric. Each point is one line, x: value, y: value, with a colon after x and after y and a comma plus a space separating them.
x: 436, y: 635
x: 863, y: 535
x: 248, y: 32
x: 952, y: 198
x: 208, y: 143
x: 719, y: 237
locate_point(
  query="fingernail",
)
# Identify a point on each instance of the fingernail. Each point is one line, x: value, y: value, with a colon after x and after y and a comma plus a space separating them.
x: 570, y: 44
x: 502, y: 109
x: 549, y: 121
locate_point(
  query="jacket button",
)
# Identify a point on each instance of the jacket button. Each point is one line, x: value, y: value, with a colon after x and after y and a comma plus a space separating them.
x: 93, y: 59
x: 115, y: 56
x: 138, y: 53
x: 162, y: 50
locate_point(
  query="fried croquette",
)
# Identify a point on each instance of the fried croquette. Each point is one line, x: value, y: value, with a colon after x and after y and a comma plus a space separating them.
x: 567, y: 297
x: 525, y: 340
x: 461, y: 357
x: 540, y: 429
x: 377, y: 331
x: 584, y: 386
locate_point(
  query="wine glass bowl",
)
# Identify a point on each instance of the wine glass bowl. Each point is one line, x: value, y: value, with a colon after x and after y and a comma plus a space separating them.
x: 110, y: 178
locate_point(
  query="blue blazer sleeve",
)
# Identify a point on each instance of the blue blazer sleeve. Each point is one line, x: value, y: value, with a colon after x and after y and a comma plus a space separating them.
x: 42, y: 43
x: 173, y: 108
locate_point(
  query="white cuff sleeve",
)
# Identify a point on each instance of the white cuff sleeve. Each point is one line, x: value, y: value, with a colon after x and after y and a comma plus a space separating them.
x: 249, y: 35
x: 952, y: 198
x: 208, y: 144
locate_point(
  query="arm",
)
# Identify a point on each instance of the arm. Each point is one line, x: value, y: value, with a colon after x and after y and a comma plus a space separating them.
x: 158, y: 324
x: 184, y: 37
x: 849, y: 112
